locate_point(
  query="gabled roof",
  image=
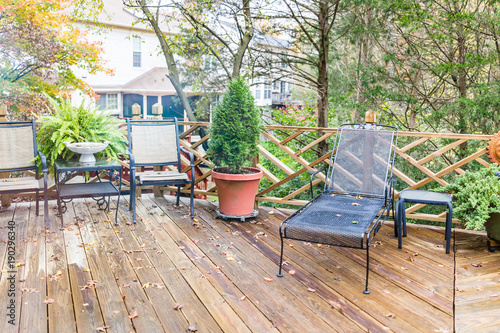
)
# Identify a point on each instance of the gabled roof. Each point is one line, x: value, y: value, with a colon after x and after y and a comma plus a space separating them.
x: 154, y: 81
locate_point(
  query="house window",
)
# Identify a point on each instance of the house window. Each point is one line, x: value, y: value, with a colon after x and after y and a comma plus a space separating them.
x: 282, y: 86
x: 136, y: 54
x: 283, y: 65
x: 275, y: 85
x: 257, y: 91
x: 267, y: 91
x: 107, y: 101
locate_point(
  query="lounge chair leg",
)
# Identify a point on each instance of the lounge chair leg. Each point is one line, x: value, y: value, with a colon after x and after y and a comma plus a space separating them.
x: 132, y: 193
x: 366, y: 291
x: 192, y: 200
x: 281, y: 259
x: 178, y: 194
x: 132, y: 201
x: 37, y: 202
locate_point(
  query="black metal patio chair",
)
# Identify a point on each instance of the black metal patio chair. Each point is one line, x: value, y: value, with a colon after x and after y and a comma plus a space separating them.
x: 156, y: 143
x: 18, y: 151
x: 358, y: 194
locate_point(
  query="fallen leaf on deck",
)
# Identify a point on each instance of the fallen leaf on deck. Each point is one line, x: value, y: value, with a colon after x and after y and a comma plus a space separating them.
x: 477, y: 265
x: 404, y: 268
x: 354, y: 222
x: 271, y: 212
x: 440, y: 265
x: 356, y: 204
x: 115, y: 313
x: 102, y: 329
x: 107, y: 220
x: 291, y: 272
x: 268, y: 279
x: 390, y: 315
x: 242, y: 298
x: 85, y: 304
x: 337, y: 306
x: 465, y: 266
x: 133, y: 315
x: 192, y: 328
x: 196, y: 220
x: 291, y: 245
x: 70, y: 229
x: 48, y: 301
x: 178, y: 307
x: 145, y: 285
x: 230, y: 259
x: 338, y: 215
x: 59, y: 273
x: 311, y: 290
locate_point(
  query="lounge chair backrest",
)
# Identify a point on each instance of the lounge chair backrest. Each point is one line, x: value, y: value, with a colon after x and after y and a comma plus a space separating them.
x: 363, y: 159
x: 17, y: 145
x: 154, y: 142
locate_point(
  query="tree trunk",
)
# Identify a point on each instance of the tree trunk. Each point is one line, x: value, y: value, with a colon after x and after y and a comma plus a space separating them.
x: 245, y: 40
x: 173, y: 72
x: 323, y: 73
x: 364, y: 50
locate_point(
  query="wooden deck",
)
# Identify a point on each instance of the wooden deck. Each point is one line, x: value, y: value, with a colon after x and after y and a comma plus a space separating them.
x: 170, y: 273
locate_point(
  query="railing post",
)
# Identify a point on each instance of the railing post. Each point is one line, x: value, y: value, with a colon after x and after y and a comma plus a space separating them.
x: 370, y: 117
x: 157, y: 111
x: 5, y: 198
x: 136, y: 111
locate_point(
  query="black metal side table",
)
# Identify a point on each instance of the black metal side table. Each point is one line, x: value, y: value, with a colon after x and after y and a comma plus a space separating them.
x: 422, y: 197
x: 99, y: 190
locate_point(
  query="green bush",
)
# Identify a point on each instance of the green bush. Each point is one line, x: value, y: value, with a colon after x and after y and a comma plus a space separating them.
x: 236, y: 126
x: 78, y: 124
x: 475, y: 196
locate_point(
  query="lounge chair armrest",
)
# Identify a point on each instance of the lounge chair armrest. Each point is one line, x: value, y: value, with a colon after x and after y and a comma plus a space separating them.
x: 191, y: 155
x: 191, y: 163
x: 43, y: 159
x: 391, y: 188
x: 131, y: 158
x: 311, y: 180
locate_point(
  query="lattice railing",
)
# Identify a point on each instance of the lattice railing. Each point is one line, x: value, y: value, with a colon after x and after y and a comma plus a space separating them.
x: 424, y: 160
x: 289, y: 154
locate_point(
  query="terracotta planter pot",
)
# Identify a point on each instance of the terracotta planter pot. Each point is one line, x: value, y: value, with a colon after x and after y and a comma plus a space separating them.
x: 492, y: 226
x: 237, y: 191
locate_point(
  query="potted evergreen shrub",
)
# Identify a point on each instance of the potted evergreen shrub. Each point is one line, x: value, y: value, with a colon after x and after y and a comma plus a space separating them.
x: 476, y: 200
x: 69, y: 123
x: 234, y: 136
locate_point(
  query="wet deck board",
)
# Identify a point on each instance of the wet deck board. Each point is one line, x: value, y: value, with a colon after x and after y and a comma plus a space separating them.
x: 171, y: 273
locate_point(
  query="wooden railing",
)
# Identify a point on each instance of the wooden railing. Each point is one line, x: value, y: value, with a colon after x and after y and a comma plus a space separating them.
x: 424, y: 160
x: 289, y: 154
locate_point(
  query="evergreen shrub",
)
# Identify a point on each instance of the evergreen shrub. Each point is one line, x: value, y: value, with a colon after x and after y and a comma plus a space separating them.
x: 235, y: 130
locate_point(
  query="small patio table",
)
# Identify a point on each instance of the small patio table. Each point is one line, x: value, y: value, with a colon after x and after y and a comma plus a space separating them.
x: 99, y: 190
x: 422, y: 197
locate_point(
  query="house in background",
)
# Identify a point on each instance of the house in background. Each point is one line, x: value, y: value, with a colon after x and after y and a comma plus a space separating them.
x: 133, y: 52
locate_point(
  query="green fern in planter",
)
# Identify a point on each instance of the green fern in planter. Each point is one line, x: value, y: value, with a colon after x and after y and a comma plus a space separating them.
x: 475, y: 196
x: 78, y: 124
x: 235, y: 130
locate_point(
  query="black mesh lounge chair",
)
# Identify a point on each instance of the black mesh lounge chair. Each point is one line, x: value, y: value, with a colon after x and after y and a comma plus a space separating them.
x: 17, y: 153
x: 358, y: 194
x: 154, y: 143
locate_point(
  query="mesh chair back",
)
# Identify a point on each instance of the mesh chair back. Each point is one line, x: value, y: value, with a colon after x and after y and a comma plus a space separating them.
x: 154, y: 142
x: 17, y: 146
x: 362, y: 160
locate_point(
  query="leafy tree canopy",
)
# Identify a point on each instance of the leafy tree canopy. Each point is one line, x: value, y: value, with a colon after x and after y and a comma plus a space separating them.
x: 39, y: 47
